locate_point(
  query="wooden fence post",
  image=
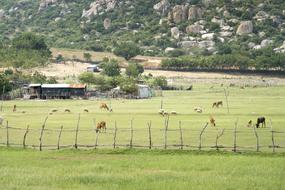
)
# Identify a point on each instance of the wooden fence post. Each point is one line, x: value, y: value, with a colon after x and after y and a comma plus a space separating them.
x: 201, y: 133
x: 235, y: 137
x: 115, y: 135
x: 149, y: 135
x: 132, y: 134
x: 25, y: 136
x: 257, y: 139
x: 59, y: 136
x: 2, y: 98
x: 42, y: 133
x: 97, y: 137
x: 218, y: 137
x: 7, y: 134
x: 272, y: 137
x: 227, y: 101
x: 76, y: 132
x: 165, y: 131
x: 181, y: 136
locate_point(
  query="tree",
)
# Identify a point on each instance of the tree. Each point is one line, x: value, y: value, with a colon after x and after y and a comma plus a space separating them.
x: 111, y: 68
x: 87, y: 57
x: 127, y: 50
x: 59, y: 58
x: 4, y: 84
x: 160, y: 82
x: 134, y: 70
x: 87, y: 78
x: 128, y: 86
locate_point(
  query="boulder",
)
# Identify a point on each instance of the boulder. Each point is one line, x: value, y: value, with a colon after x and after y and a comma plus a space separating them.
x: 226, y: 34
x: 169, y: 49
x: 218, y: 21
x: 245, y: 27
x: 175, y: 32
x: 98, y: 7
x: 251, y: 45
x: 2, y: 14
x: 265, y: 43
x: 208, y: 36
x: 195, y: 13
x: 107, y: 23
x: 162, y: 7
x: 195, y: 28
x: 178, y: 14
x: 188, y: 44
x: 206, y: 44
x: 45, y: 4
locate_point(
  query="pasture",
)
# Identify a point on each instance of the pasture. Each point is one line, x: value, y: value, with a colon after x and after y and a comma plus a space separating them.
x: 244, y: 105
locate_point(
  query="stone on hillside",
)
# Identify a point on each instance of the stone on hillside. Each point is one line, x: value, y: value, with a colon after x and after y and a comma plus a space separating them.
x: 208, y: 36
x: 226, y: 34
x: 226, y: 14
x: 206, y: 44
x: 178, y: 14
x: 46, y: 3
x: 195, y: 28
x: 169, y: 49
x: 245, y: 27
x: 261, y: 15
x: 218, y: 21
x: 251, y: 45
x: 195, y: 13
x: 175, y: 32
x: 265, y: 43
x: 2, y: 13
x: 188, y: 44
x: 98, y: 7
x: 107, y: 23
x: 162, y: 7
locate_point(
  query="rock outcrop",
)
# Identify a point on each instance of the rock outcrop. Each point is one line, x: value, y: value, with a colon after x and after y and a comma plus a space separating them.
x: 2, y: 14
x: 107, y: 23
x: 162, y: 7
x: 194, y: 28
x: 245, y: 27
x: 195, y: 13
x: 98, y: 7
x: 46, y: 3
x: 175, y: 33
x: 181, y: 13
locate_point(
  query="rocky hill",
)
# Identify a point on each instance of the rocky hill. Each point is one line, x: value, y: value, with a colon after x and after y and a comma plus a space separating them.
x: 160, y: 27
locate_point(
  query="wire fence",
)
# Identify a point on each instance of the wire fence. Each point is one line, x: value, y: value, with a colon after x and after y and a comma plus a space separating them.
x: 206, y: 138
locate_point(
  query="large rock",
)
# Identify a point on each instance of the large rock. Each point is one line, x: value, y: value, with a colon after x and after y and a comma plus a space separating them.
x: 265, y: 43
x: 2, y: 14
x: 178, y: 14
x: 175, y: 33
x: 169, y: 49
x: 162, y: 7
x: 226, y: 34
x: 46, y: 3
x: 195, y: 28
x: 245, y: 27
x: 98, y: 7
x: 107, y: 23
x: 188, y: 44
x: 195, y: 13
x: 208, y: 36
x: 206, y: 44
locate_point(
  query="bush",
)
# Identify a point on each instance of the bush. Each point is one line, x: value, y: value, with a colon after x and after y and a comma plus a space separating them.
x: 127, y: 50
x: 111, y: 68
x: 134, y: 70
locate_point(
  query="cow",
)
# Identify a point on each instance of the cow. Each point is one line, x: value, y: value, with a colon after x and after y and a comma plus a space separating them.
x: 212, y: 121
x: 104, y: 106
x: 260, y: 120
x: 217, y: 104
x: 67, y: 110
x: 101, y: 125
x: 198, y: 109
x: 86, y: 110
x: 15, y: 108
x: 249, y: 124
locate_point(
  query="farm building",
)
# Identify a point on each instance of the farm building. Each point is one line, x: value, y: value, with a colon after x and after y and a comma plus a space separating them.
x: 52, y: 91
x: 144, y: 91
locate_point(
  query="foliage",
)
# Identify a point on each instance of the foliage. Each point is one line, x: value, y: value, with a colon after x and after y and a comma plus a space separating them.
x: 128, y: 85
x: 134, y: 70
x: 87, y: 57
x: 111, y: 67
x: 127, y: 50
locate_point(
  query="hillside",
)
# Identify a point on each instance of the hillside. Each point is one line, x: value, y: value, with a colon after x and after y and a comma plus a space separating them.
x: 196, y: 26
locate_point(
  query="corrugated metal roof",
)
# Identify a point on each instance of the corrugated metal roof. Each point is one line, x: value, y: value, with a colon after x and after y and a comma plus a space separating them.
x: 63, y: 86
x: 34, y: 85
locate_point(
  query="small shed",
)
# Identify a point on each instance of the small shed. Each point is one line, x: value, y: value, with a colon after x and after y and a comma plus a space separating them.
x: 144, y: 91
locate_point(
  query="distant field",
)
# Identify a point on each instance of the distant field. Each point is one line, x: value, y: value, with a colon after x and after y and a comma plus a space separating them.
x: 140, y: 170
x: 244, y: 104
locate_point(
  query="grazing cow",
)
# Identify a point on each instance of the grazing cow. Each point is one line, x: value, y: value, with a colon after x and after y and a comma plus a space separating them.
x: 198, y: 109
x: 104, y: 106
x: 217, y: 104
x: 86, y: 110
x: 54, y: 110
x: 260, y: 120
x: 15, y: 108
x: 173, y: 113
x: 67, y: 110
x: 101, y: 125
x: 1, y: 120
x: 213, y: 121
x: 249, y: 124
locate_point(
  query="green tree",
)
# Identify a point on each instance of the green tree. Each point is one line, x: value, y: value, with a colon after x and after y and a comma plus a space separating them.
x: 87, y: 78
x: 111, y: 68
x: 127, y: 50
x: 134, y: 70
x: 87, y: 57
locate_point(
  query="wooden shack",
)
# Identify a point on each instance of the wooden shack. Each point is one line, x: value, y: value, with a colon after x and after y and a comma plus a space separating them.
x: 56, y: 91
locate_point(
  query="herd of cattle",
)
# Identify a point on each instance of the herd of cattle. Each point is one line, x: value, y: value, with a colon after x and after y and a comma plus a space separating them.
x: 101, y: 126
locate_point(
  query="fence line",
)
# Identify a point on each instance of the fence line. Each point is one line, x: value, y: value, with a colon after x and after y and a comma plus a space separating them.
x: 165, y: 134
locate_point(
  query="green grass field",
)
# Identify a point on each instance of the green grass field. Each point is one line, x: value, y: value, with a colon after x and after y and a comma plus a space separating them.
x: 139, y: 169
x: 123, y: 168
x: 245, y: 104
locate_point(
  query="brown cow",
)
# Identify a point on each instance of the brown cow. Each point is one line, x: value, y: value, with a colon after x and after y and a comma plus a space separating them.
x: 101, y: 125
x: 213, y: 121
x: 15, y: 108
x: 249, y: 124
x: 217, y: 104
x: 104, y: 106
